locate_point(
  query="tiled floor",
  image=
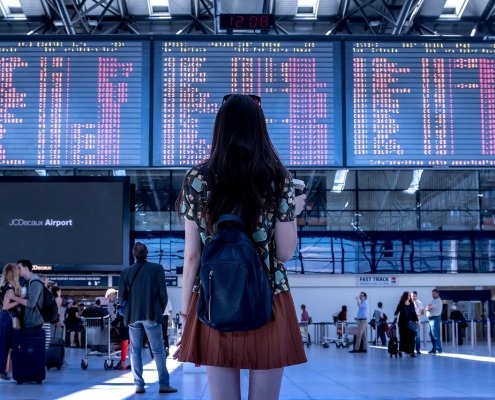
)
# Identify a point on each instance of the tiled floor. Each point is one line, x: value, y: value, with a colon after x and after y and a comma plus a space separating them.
x: 329, y: 374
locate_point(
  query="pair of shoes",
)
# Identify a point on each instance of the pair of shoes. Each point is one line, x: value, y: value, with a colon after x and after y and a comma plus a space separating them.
x: 4, y: 377
x: 418, y: 352
x: 118, y: 366
x: 167, y: 389
x: 354, y: 351
x: 140, y: 390
x: 439, y: 352
x: 432, y: 352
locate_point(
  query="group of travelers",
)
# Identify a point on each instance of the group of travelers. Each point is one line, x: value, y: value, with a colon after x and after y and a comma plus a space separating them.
x: 409, y: 314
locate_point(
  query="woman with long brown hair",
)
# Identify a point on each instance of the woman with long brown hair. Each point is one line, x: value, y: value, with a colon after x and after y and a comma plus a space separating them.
x: 244, y: 176
x: 408, y: 319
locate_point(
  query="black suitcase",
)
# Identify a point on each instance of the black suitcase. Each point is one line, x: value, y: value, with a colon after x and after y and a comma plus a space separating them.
x: 28, y: 355
x: 393, y: 343
x: 56, y: 351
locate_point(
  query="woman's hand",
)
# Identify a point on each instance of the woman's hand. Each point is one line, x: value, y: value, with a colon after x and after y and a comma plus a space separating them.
x: 300, y: 203
x: 175, y: 356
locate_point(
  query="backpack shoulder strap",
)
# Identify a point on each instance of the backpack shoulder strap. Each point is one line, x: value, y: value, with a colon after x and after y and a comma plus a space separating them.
x: 41, y: 293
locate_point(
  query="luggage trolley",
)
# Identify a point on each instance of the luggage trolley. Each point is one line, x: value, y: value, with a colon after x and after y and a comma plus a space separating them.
x: 305, y: 336
x: 341, y: 338
x: 100, y: 342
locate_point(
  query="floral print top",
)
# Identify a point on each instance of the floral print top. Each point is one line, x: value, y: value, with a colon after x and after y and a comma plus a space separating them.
x: 194, y: 197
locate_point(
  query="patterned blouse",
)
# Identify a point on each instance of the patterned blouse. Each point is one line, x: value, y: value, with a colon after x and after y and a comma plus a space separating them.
x: 195, y: 195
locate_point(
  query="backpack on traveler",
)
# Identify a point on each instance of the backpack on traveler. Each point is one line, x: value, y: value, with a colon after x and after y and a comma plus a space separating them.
x: 49, y: 307
x: 235, y: 292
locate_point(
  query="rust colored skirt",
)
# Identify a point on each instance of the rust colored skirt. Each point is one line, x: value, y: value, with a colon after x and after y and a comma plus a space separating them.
x: 276, y: 344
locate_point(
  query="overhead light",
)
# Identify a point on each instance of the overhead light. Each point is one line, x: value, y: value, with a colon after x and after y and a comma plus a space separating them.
x: 453, y: 9
x: 414, y: 185
x: 307, y: 9
x: 12, y: 9
x: 159, y: 8
x: 339, y: 180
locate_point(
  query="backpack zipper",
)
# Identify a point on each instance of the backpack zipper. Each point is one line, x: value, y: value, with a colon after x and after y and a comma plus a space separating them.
x: 210, y: 288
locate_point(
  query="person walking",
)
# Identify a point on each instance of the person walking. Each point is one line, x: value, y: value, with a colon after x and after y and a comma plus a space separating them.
x: 118, y: 323
x: 434, y: 314
x: 408, y: 324
x: 457, y: 318
x: 143, y: 294
x: 362, y: 324
x: 245, y: 176
x: 381, y: 324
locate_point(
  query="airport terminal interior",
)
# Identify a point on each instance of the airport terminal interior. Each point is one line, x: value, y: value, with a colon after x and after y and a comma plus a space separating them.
x: 460, y: 372
x: 384, y: 108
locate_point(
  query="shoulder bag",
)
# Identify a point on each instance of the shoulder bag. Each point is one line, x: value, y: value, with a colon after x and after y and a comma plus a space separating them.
x: 125, y: 303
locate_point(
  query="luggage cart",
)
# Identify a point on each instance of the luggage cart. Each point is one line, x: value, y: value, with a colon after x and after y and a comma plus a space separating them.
x: 320, y: 330
x: 100, y: 341
x: 341, y: 338
x: 305, y: 336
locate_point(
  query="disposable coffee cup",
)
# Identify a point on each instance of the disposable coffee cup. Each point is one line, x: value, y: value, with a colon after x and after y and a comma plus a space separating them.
x: 299, y: 185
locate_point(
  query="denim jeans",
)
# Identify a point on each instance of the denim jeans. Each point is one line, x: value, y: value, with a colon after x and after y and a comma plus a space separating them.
x: 417, y: 338
x: 435, y: 333
x: 380, y: 333
x: 155, y: 337
x: 6, y: 337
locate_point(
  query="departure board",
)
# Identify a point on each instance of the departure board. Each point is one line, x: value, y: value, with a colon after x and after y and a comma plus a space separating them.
x: 74, y: 102
x: 420, y: 103
x: 298, y: 82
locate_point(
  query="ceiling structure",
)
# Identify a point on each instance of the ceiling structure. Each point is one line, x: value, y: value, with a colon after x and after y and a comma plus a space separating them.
x: 303, y: 17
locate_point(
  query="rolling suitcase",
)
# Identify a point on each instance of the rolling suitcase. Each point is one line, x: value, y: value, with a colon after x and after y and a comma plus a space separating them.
x: 56, y: 350
x: 393, y: 343
x: 28, y: 355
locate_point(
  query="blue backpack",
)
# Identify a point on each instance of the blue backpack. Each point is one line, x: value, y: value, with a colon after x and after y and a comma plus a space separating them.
x: 235, y: 292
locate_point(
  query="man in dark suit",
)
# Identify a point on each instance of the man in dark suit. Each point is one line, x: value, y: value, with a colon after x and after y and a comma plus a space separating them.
x: 142, y: 288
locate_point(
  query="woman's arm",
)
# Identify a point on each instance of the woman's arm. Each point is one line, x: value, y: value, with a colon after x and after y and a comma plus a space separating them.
x: 192, y: 257
x: 286, y: 233
x: 10, y: 304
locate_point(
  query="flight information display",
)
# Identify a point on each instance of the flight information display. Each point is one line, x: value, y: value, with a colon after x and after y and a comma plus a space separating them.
x: 74, y: 102
x: 420, y: 104
x: 298, y: 82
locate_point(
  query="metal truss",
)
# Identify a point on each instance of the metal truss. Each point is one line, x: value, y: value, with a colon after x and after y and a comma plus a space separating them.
x: 376, y: 17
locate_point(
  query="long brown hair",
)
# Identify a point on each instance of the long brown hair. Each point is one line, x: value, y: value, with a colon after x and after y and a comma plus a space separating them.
x: 244, y: 171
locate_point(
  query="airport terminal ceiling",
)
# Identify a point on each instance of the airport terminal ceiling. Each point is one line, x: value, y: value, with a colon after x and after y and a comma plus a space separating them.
x: 303, y: 17
x: 437, y: 200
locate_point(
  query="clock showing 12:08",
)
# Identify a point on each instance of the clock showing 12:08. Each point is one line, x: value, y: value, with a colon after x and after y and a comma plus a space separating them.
x: 247, y: 21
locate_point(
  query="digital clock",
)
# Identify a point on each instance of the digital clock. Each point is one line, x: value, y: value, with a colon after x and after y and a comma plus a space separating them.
x: 247, y: 21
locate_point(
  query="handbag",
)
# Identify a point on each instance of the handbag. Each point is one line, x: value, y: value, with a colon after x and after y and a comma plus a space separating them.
x: 125, y: 303
x: 413, y: 326
x: 16, y: 322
